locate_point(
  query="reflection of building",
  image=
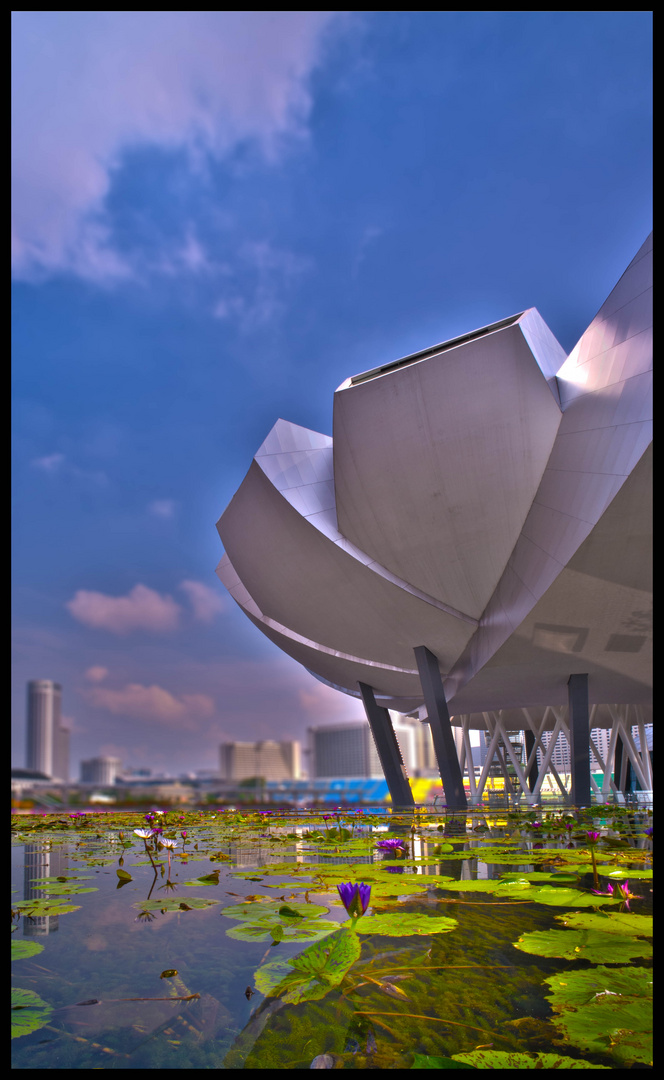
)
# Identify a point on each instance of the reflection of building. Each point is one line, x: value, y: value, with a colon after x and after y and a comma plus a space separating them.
x: 267, y: 759
x: 475, y: 538
x: 100, y: 770
x: 39, y: 863
x: 47, y: 742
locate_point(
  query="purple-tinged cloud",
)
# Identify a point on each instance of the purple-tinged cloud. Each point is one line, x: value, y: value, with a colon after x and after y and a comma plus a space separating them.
x: 205, y: 602
x: 141, y: 609
x: 89, y: 85
x: 152, y: 703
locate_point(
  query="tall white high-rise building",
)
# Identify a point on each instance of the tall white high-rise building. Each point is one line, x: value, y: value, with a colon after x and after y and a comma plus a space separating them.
x: 100, y: 770
x: 46, y: 746
x: 267, y: 759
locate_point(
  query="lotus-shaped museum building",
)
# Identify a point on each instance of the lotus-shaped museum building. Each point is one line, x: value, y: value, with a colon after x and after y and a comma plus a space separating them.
x: 474, y: 542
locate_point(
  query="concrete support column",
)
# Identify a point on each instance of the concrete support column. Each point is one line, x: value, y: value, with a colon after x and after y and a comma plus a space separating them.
x: 387, y: 749
x: 441, y: 728
x: 579, y: 728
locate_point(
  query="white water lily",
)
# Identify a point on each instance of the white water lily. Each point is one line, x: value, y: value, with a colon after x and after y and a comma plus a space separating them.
x: 167, y: 843
x: 145, y: 834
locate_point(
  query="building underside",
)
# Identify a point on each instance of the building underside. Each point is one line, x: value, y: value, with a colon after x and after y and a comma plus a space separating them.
x: 474, y: 542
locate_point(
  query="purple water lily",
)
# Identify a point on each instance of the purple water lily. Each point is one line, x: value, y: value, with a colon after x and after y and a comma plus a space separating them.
x: 593, y: 837
x: 355, y: 898
x: 393, y: 845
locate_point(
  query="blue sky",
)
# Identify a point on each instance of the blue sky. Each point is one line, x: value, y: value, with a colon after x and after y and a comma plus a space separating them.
x: 217, y: 218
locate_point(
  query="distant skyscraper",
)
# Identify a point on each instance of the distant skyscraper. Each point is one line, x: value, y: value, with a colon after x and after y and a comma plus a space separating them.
x: 269, y: 759
x: 61, y: 754
x: 343, y: 750
x: 44, y: 744
x: 100, y: 770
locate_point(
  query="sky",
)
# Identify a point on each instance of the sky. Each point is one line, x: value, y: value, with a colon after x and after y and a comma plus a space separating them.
x: 217, y: 217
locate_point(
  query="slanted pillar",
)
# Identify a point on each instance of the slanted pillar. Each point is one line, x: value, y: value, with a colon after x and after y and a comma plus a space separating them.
x: 579, y: 728
x: 441, y: 728
x: 387, y: 748
x: 534, y: 771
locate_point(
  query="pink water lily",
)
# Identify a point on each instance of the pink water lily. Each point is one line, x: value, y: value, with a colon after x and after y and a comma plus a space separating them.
x: 621, y: 891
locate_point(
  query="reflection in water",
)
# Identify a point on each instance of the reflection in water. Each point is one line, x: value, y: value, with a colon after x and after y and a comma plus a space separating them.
x: 40, y: 862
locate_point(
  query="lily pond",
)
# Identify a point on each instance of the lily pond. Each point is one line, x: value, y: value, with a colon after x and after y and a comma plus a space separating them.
x: 350, y: 940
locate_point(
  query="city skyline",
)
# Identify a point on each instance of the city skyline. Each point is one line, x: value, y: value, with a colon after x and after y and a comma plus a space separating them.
x: 218, y: 218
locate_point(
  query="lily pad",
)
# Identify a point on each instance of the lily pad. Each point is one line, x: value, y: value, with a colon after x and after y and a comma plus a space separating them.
x: 21, y: 949
x: 593, y: 945
x: 574, y: 988
x: 170, y: 903
x: 561, y: 897
x: 621, y: 1025
x: 39, y: 907
x: 272, y: 909
x: 294, y: 930
x: 59, y: 889
x: 29, y: 1012
x: 625, y: 923
x: 207, y: 879
x: 402, y: 924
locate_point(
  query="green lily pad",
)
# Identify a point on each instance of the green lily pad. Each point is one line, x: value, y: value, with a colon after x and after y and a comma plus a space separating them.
x: 611, y: 1023
x: 272, y: 909
x: 59, y: 889
x: 593, y: 945
x: 402, y: 924
x: 22, y: 949
x: 638, y: 875
x: 39, y: 907
x: 170, y: 903
x: 207, y: 879
x: 502, y: 1059
x: 561, y: 897
x: 494, y: 885
x: 541, y: 875
x: 312, y: 974
x: 574, y: 988
x: 29, y: 1012
x: 625, y: 923
x: 292, y: 930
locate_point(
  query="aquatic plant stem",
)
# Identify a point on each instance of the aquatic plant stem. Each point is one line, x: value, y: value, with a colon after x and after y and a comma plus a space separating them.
x: 595, y: 874
x: 435, y: 1019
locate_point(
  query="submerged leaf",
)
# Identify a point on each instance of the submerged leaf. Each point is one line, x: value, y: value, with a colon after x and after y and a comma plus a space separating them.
x: 502, y: 1059
x: 427, y: 1061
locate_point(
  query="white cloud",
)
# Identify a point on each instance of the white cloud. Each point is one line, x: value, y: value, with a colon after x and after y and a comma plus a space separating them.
x: 267, y: 274
x: 163, y: 508
x: 141, y: 609
x: 58, y: 464
x: 205, y: 602
x: 88, y: 85
x: 50, y: 463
